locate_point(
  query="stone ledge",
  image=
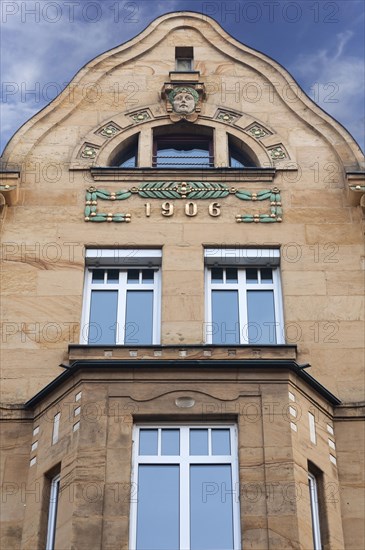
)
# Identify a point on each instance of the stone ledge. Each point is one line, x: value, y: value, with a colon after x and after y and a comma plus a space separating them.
x: 356, y: 188
x: 234, y: 175
x: 181, y: 353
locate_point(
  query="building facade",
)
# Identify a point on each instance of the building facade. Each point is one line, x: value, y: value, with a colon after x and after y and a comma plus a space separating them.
x: 182, y: 332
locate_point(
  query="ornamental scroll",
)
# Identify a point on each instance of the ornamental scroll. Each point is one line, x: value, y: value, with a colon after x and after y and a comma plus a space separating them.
x: 190, y: 191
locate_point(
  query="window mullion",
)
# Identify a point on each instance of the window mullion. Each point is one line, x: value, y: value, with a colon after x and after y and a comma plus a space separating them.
x: 208, y: 307
x: 278, y: 308
x: 156, y: 311
x: 235, y: 487
x: 242, y: 306
x: 184, y: 489
x: 122, y: 307
x: 84, y: 336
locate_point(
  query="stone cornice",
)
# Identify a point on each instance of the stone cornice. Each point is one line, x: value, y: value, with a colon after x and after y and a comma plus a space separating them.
x: 181, y: 353
x: 227, y: 175
x: 9, y: 186
x: 356, y: 188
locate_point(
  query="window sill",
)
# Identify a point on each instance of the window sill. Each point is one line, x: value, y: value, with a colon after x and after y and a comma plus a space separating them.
x: 183, y: 353
x: 257, y: 174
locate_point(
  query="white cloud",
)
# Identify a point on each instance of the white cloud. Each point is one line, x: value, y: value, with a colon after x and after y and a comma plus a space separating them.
x: 336, y: 82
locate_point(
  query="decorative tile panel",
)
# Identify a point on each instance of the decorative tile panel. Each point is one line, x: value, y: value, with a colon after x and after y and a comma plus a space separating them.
x: 89, y: 151
x: 226, y: 116
x: 258, y: 131
x: 140, y: 116
x: 277, y: 152
x: 109, y: 130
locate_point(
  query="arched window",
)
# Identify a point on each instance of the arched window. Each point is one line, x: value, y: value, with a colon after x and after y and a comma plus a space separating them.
x: 127, y: 154
x: 239, y: 155
x: 183, y: 146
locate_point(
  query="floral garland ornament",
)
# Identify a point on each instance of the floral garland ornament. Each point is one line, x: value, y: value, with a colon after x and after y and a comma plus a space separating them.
x: 91, y: 206
x: 191, y: 190
x: 276, y: 211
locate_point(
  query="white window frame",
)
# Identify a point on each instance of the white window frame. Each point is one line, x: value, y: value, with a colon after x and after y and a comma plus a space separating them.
x: 313, y: 497
x: 52, y: 512
x: 243, y: 259
x: 184, y: 460
x: 122, y: 260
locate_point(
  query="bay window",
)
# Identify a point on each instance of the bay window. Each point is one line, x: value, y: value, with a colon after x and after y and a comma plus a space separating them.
x: 186, y: 480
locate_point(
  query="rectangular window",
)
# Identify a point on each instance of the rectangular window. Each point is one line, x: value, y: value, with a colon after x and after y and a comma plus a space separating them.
x: 52, y: 512
x: 183, y: 151
x: 184, y: 59
x: 312, y: 428
x: 186, y: 481
x: 56, y: 427
x: 313, y: 498
x: 122, y: 304
x: 243, y: 298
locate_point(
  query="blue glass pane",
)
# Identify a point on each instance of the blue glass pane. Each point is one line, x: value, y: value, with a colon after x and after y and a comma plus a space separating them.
x: 170, y: 442
x: 98, y: 276
x: 225, y: 317
x: 103, y: 317
x: 231, y: 275
x: 198, y: 442
x: 139, y: 317
x: 130, y: 162
x: 221, y: 442
x: 251, y: 276
x: 183, y: 158
x: 266, y: 275
x: 217, y: 275
x: 133, y: 276
x: 261, y: 317
x: 211, y: 508
x: 147, y: 276
x: 235, y: 163
x: 113, y: 276
x: 148, y: 441
x: 158, y: 508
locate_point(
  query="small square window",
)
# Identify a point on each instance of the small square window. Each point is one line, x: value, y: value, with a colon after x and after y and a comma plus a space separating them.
x: 184, y: 59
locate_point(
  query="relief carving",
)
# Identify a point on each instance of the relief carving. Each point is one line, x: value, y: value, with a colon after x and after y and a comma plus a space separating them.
x: 183, y: 102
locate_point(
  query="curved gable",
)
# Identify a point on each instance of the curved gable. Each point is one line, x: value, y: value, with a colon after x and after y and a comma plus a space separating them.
x: 236, y: 77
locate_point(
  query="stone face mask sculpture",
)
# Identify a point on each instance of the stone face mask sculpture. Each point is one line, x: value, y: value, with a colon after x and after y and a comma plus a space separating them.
x: 183, y: 100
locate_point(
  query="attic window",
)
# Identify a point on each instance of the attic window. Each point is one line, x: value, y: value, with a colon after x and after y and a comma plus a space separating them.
x: 184, y: 59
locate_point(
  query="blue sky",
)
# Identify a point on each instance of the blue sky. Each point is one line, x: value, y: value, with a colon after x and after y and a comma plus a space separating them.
x: 44, y: 43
